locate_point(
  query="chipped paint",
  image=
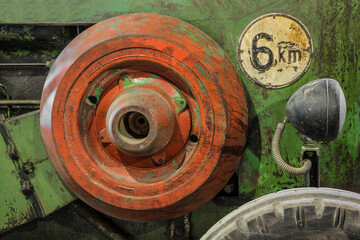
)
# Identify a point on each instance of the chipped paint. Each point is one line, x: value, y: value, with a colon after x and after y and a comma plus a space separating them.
x: 131, y: 200
x: 149, y: 175
x: 184, y: 86
x: 334, y: 29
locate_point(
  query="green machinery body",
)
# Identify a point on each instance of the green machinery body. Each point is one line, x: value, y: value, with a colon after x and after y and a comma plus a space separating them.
x: 334, y: 29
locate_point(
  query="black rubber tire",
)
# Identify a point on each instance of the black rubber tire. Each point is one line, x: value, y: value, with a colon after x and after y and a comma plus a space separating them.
x: 300, y: 213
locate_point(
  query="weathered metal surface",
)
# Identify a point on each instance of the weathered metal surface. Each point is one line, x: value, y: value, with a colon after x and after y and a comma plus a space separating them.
x: 98, y: 221
x: 333, y: 25
x: 187, y: 60
x: 51, y: 194
x: 275, y: 50
x: 14, y: 208
x: 26, y: 52
x: 20, y: 102
x: 57, y: 226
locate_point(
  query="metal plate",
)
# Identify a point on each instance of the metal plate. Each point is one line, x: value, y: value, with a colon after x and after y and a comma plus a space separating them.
x: 275, y: 50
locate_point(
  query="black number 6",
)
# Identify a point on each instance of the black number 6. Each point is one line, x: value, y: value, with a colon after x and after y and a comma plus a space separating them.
x: 256, y: 50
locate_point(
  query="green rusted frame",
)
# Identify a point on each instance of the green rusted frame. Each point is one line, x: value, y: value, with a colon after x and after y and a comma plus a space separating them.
x: 51, y: 194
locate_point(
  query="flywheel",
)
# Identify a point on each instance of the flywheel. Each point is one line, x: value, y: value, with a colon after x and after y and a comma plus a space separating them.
x: 144, y: 117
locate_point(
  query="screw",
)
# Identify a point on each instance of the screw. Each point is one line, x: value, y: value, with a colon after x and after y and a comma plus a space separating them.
x: 28, y: 167
x: 229, y: 188
x: 178, y: 231
x: 26, y: 187
x: 12, y: 154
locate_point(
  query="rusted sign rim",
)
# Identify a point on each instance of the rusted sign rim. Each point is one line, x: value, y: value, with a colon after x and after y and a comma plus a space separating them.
x: 250, y: 25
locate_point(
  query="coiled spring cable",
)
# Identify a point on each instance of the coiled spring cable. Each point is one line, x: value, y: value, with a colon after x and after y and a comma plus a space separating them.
x: 276, y: 153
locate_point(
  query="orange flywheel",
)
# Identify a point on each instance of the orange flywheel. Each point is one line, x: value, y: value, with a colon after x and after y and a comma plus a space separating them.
x: 144, y: 117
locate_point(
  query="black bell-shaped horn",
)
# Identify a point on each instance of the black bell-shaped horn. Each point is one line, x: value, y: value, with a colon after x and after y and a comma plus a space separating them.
x: 318, y: 109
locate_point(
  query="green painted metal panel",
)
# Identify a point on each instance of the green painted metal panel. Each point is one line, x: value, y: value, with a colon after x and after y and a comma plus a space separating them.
x: 14, y: 208
x: 91, y: 11
x: 51, y: 193
x: 26, y: 135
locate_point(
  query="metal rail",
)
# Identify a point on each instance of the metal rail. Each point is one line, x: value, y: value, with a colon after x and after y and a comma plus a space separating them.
x: 20, y: 102
x: 22, y: 64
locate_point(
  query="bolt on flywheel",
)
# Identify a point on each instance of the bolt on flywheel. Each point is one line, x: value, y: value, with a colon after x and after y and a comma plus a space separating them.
x: 144, y: 117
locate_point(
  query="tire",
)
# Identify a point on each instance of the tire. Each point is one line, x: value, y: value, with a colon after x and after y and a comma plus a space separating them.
x: 302, y: 213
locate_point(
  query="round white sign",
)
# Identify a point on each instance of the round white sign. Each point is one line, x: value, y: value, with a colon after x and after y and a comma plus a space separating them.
x: 275, y: 50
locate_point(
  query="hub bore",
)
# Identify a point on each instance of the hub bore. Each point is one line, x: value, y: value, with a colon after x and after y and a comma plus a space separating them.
x: 140, y: 122
x: 134, y: 124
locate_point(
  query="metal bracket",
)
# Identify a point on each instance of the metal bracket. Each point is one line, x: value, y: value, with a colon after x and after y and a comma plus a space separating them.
x: 23, y: 170
x: 310, y: 151
x: 180, y: 228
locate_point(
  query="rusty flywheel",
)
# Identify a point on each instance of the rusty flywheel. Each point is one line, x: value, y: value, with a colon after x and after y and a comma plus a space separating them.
x: 144, y: 117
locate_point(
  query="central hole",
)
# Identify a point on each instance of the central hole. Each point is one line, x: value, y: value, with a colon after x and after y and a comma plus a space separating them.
x: 141, y: 121
x: 135, y: 125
